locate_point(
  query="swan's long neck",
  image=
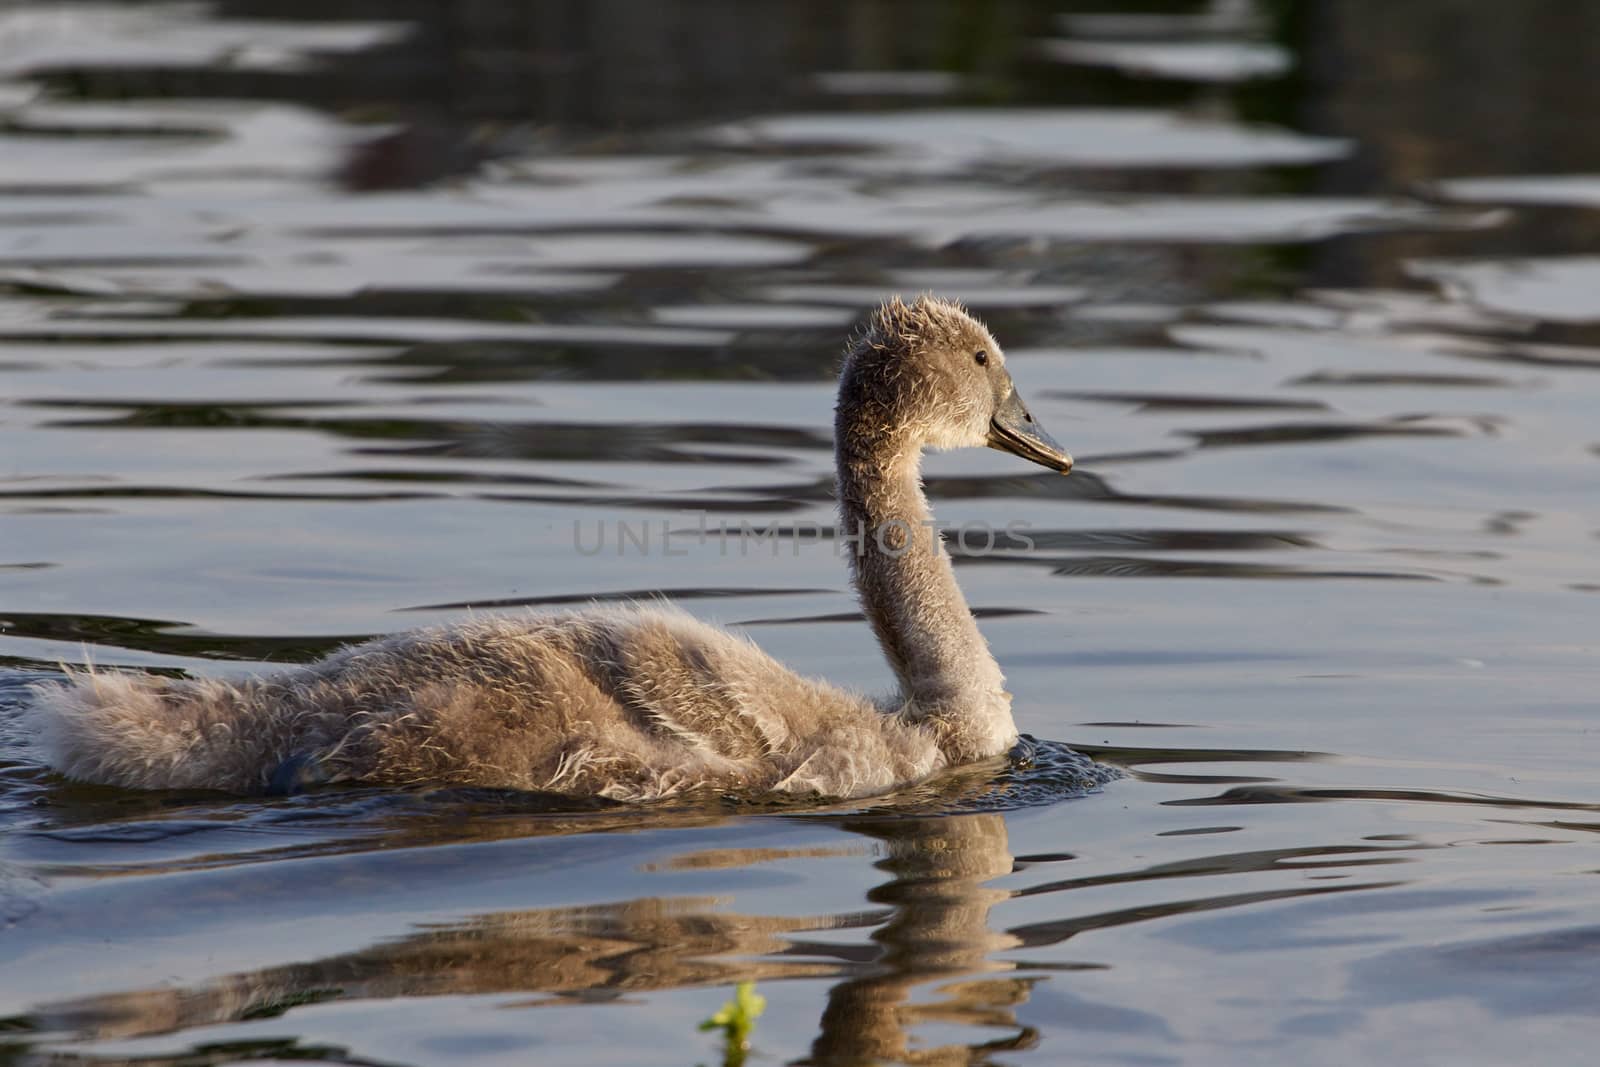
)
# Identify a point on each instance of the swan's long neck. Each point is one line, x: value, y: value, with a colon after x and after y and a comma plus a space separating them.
x: 904, y: 578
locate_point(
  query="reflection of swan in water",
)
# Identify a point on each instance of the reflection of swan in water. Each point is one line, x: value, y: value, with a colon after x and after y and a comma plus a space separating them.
x: 631, y: 704
x: 939, y: 930
x: 935, y: 928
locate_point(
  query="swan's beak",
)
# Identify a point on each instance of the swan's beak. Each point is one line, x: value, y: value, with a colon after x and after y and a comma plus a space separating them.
x: 1014, y: 430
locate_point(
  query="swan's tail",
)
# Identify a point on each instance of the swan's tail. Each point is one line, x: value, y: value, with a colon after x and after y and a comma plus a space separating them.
x: 147, y: 732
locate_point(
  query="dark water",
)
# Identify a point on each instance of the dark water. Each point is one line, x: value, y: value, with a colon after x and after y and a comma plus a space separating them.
x: 324, y: 320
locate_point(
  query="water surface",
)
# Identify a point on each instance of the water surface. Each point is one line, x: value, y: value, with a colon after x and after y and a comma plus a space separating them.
x: 323, y: 321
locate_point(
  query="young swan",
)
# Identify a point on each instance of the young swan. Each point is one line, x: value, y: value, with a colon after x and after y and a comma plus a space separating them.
x: 629, y: 703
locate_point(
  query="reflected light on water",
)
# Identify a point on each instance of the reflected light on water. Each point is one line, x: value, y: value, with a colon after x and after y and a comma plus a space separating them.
x: 317, y: 324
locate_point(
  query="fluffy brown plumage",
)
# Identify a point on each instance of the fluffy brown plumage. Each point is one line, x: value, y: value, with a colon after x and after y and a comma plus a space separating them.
x: 631, y: 704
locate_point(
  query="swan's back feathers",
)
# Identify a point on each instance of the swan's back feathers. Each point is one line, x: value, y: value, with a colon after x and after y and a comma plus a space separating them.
x: 625, y: 703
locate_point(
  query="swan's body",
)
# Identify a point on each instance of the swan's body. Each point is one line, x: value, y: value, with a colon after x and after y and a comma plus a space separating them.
x: 633, y: 704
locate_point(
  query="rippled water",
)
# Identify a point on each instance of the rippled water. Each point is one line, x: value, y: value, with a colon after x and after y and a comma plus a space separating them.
x: 321, y: 321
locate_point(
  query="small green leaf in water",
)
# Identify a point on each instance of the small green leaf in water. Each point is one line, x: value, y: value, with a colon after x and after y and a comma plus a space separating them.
x: 736, y: 1019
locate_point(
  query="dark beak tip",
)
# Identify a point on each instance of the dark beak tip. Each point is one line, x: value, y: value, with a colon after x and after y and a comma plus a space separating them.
x: 1012, y: 429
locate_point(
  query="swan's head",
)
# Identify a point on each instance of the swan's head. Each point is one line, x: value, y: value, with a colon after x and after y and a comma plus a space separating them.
x: 928, y: 374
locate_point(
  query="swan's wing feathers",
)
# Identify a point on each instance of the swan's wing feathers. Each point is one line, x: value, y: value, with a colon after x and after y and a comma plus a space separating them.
x: 681, y: 679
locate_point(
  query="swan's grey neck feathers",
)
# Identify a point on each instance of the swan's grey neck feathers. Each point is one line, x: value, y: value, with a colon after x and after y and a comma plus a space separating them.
x: 909, y: 592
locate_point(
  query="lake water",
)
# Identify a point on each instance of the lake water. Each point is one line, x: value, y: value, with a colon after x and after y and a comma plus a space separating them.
x: 325, y: 320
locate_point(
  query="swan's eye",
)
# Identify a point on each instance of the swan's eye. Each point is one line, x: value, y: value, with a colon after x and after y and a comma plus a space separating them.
x: 982, y: 358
